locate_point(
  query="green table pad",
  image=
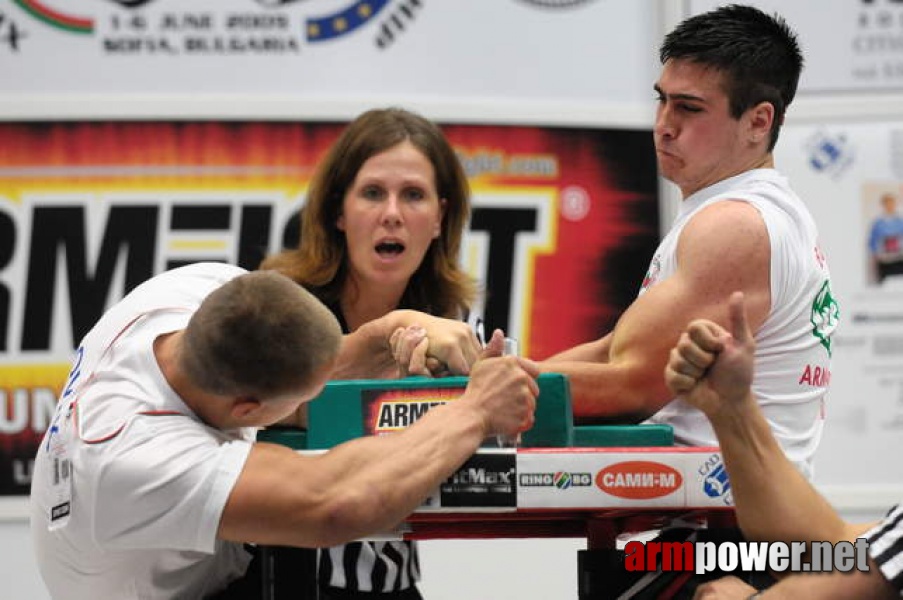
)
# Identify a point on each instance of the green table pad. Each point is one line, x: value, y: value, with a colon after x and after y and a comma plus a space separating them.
x: 585, y: 436
x: 348, y: 409
x: 338, y: 415
x: 621, y: 436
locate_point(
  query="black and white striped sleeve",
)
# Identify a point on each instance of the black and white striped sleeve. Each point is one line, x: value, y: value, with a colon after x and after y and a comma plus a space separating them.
x: 886, y: 546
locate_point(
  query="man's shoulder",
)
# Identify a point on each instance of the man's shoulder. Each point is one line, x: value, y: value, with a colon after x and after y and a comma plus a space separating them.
x: 729, y: 220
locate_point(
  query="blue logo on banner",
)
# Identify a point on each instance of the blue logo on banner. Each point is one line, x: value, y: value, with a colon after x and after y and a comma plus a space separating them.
x: 717, y: 483
x: 830, y: 154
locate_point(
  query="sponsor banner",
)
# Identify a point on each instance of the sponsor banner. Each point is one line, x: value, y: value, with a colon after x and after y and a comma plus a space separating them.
x: 508, y: 480
x: 590, y: 478
x: 853, y: 46
x: 387, y: 411
x: 488, y: 480
x: 715, y: 482
x: 329, y: 51
x: 562, y: 218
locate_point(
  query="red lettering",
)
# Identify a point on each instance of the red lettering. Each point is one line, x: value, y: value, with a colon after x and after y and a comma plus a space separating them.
x: 673, y: 556
x: 653, y: 549
x: 815, y: 376
x: 635, y: 556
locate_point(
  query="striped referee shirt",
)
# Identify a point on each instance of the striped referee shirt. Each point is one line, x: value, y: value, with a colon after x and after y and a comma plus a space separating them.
x: 886, y: 546
x: 390, y: 566
x: 370, y: 566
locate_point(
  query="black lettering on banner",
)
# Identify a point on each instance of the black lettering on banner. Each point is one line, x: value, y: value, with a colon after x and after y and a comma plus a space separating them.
x: 254, y: 235
x: 10, y: 33
x: 385, y: 418
x: 198, y: 218
x: 207, y: 217
x: 59, y: 232
x: 401, y: 414
x: 503, y: 224
x: 419, y: 409
x: 7, y: 247
x: 484, y: 480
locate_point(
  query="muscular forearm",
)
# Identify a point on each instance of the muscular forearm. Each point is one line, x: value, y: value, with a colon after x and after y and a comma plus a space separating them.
x: 773, y: 499
x: 359, y: 488
x: 614, y: 391
x: 385, y: 478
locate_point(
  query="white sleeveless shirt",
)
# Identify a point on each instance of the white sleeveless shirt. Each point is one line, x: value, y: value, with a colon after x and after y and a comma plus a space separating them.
x: 793, y: 345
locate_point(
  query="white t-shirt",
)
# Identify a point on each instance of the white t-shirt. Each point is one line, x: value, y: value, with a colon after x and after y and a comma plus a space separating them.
x: 793, y: 345
x: 129, y: 485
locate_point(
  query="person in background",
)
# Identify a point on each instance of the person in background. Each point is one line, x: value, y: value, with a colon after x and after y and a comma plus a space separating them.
x: 380, y: 239
x: 148, y: 481
x: 886, y: 240
x: 712, y: 368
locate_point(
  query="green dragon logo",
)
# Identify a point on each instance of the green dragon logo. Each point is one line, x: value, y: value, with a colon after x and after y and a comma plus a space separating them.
x: 825, y: 316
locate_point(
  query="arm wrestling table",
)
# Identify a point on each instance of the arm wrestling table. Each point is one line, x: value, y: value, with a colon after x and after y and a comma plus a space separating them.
x: 591, y: 482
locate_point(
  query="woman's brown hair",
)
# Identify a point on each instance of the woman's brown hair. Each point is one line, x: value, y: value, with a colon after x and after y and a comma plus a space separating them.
x: 439, y: 286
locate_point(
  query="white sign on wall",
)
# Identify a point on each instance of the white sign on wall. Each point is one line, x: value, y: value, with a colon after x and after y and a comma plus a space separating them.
x: 841, y: 170
x: 849, y: 45
x: 332, y: 53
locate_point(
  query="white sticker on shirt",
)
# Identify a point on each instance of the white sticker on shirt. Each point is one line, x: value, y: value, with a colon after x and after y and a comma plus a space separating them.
x: 60, y: 435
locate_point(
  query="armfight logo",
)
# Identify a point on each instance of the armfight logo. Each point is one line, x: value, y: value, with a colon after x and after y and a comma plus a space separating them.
x: 272, y: 27
x: 386, y: 411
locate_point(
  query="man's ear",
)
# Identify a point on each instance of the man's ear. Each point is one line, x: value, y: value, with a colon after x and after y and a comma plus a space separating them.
x: 244, y: 407
x: 761, y: 117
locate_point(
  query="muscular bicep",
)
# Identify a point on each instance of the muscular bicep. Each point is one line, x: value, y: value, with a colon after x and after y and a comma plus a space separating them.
x: 724, y: 248
x: 278, y: 498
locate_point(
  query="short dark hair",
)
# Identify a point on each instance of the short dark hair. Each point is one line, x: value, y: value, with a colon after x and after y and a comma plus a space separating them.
x: 259, y: 335
x: 758, y: 54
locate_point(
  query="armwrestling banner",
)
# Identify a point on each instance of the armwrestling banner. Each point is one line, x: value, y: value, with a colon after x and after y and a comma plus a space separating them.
x: 564, y: 222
